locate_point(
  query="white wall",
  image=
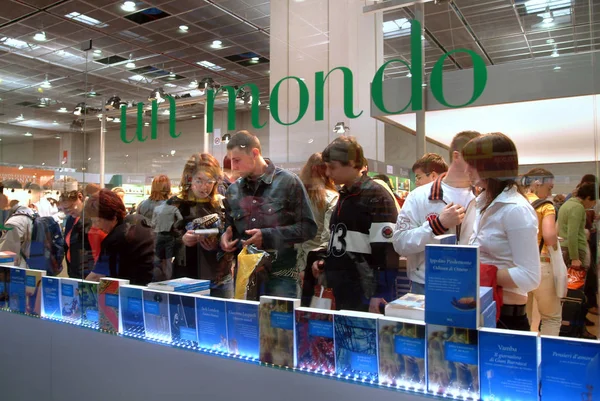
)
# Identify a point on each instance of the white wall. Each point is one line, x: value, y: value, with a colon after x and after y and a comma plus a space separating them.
x: 401, y: 147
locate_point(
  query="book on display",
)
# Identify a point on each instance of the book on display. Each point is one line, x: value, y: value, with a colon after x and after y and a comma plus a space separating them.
x: 356, y: 345
x: 4, y: 285
x: 89, y: 303
x: 277, y: 330
x: 156, y: 315
x: 108, y: 304
x: 182, y: 314
x: 242, y: 327
x: 33, y: 291
x: 315, y: 346
x: 211, y: 318
x: 51, y: 305
x: 183, y: 284
x: 16, y: 289
x: 70, y: 300
x: 132, y: 311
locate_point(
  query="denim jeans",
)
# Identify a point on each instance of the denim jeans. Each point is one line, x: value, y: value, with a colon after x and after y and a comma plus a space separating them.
x: 548, y: 307
x: 223, y: 288
x: 417, y: 288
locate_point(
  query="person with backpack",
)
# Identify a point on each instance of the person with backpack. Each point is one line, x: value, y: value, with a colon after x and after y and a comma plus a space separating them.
x: 537, y: 184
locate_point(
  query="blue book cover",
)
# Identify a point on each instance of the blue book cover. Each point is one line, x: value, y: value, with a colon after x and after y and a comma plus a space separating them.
x: 488, y: 316
x: 570, y: 369
x: 211, y: 319
x: 452, y: 285
x: 17, y: 290
x: 51, y: 306
x: 242, y: 327
x: 156, y: 315
x: 33, y: 291
x: 315, y: 346
x: 508, y: 365
x: 452, y: 362
x: 486, y: 297
x: 182, y: 312
x: 4, y: 284
x: 70, y: 300
x: 356, y: 345
x: 132, y: 312
x: 277, y: 330
x: 88, y: 291
x: 402, y: 353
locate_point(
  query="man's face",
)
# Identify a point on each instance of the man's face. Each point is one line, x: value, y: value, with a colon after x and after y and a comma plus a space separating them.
x: 243, y: 163
x: 422, y: 178
x: 341, y: 174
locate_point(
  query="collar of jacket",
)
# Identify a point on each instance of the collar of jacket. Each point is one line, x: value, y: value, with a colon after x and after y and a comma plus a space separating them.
x: 267, y: 176
x: 436, y: 189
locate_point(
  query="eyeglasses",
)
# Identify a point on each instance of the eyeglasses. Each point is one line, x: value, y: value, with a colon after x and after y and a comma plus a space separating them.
x: 203, y: 182
x: 70, y: 195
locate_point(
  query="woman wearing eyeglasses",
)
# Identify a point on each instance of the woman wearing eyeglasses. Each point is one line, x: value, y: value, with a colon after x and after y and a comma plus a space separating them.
x: 201, y: 206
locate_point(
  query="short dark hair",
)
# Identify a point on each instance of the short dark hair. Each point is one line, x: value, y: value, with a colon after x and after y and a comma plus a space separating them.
x: 587, y: 190
x: 105, y: 204
x: 588, y: 178
x: 460, y: 140
x: 431, y: 163
x: 345, y: 149
x: 245, y: 141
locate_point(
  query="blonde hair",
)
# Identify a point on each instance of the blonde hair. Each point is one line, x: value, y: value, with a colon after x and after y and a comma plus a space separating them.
x: 205, y: 163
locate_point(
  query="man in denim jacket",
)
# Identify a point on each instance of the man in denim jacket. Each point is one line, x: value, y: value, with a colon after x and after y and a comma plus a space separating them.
x: 266, y: 207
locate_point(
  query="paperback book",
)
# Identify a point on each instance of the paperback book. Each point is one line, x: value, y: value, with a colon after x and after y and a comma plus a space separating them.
x: 452, y: 285
x: 89, y: 303
x: 212, y: 323
x: 452, y: 362
x: 570, y: 369
x: 277, y: 330
x: 315, y: 346
x: 4, y: 285
x: 132, y: 312
x: 409, y: 306
x: 508, y: 365
x: 51, y: 305
x: 70, y: 300
x: 156, y: 315
x: 33, y: 291
x: 16, y: 287
x: 183, y: 284
x: 7, y: 257
x: 402, y: 353
x: 242, y: 327
x: 356, y: 345
x: 108, y: 304
x: 182, y: 310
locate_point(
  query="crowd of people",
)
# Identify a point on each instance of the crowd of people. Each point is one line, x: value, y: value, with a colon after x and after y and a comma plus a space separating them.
x: 334, y: 226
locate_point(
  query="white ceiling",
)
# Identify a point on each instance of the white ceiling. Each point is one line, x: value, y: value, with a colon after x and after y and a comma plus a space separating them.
x: 545, y: 131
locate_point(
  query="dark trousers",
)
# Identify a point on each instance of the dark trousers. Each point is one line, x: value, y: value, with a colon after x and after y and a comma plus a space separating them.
x: 513, y: 322
x: 164, y: 252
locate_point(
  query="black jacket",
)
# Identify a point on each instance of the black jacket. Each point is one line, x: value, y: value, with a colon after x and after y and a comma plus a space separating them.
x: 82, y: 260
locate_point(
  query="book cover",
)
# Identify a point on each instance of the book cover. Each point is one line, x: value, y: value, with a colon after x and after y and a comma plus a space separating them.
x: 182, y: 310
x: 242, y: 327
x: 183, y: 284
x: 89, y: 303
x: 51, y: 305
x: 356, y: 345
x: 452, y: 360
x: 486, y: 297
x: 69, y: 298
x: 452, y: 285
x: 570, y: 369
x: 156, y: 315
x: 16, y: 288
x: 211, y: 319
x: 508, y: 365
x: 488, y: 316
x: 132, y: 312
x: 277, y: 330
x: 4, y: 284
x: 409, y: 306
x: 402, y: 353
x: 445, y: 239
x: 33, y: 291
x: 108, y: 304
x: 315, y: 346
x: 7, y: 257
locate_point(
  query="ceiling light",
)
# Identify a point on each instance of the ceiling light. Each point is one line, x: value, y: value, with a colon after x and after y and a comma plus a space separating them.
x: 555, y: 53
x: 16, y: 44
x: 550, y: 41
x: 409, y: 75
x: 128, y: 6
x: 126, y: 155
x: 172, y: 153
x: 216, y: 44
x: 193, y: 116
x: 116, y: 120
x: 157, y: 94
x: 40, y: 36
x: 57, y: 137
x: 548, y: 20
x: 46, y: 84
x: 86, y: 20
x: 166, y: 112
x: 114, y: 103
x: 340, y: 128
x: 43, y: 164
x: 97, y: 51
x: 146, y: 124
x: 558, y: 67
x: 169, y: 85
x: 89, y: 158
x: 172, y: 75
x: 54, y: 122
x: 79, y: 109
x: 210, y: 66
x: 20, y: 167
x: 63, y: 110
x: 183, y: 28
x: 193, y: 84
x: 130, y: 64
x: 28, y: 134
x: 254, y: 60
x: 137, y: 77
x: 20, y: 118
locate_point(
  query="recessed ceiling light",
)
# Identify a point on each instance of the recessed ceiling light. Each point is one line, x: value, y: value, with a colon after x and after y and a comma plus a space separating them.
x: 548, y: 20
x: 20, y: 118
x: 173, y: 153
x: 63, y: 110
x: 255, y: 58
x: 86, y: 20
x: 97, y: 51
x: 166, y: 112
x: 555, y: 54
x: 550, y: 41
x: 193, y: 116
x: 146, y: 124
x: 43, y: 164
x: 54, y: 122
x: 216, y: 44
x: 409, y: 75
x: 126, y: 155
x: 116, y: 120
x: 183, y: 28
x: 170, y: 85
x: 130, y: 64
x: 128, y: 6
x: 89, y: 158
x: 46, y: 84
x: 40, y: 36
x: 172, y: 75
x: 57, y: 137
x: 28, y: 134
x: 558, y: 67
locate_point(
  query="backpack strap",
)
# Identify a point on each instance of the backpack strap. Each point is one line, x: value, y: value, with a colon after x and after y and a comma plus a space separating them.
x: 536, y: 204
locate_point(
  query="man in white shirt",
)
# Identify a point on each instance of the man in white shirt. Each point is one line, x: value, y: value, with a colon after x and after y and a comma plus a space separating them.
x: 433, y: 209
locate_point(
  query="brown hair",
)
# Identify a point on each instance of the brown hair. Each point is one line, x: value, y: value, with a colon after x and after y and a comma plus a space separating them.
x: 315, y: 180
x: 161, y: 188
x: 91, y: 189
x: 208, y: 165
x: 460, y: 140
x: 345, y: 149
x: 496, y: 160
x: 535, y: 174
x: 245, y: 141
x: 106, y: 205
x: 431, y: 163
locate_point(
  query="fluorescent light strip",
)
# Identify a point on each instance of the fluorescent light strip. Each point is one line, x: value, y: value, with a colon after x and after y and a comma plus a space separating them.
x: 84, y: 19
x: 210, y: 66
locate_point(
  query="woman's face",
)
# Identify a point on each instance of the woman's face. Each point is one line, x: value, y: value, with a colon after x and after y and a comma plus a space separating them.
x: 544, y: 190
x: 104, y: 224
x: 72, y: 207
x: 202, y: 185
x: 474, y: 177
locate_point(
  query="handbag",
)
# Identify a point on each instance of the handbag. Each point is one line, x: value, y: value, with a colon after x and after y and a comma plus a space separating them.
x: 325, y: 298
x: 559, y: 269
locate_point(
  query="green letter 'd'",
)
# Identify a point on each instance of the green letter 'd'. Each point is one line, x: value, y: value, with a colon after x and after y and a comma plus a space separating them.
x: 274, y: 100
x: 479, y: 78
x: 348, y: 93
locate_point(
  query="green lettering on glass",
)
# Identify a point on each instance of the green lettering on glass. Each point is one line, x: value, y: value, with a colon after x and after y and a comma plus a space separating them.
x: 139, y: 132
x: 416, y: 59
x: 348, y: 93
x: 154, y: 124
x: 172, y: 120
x: 479, y: 78
x: 124, y: 125
x: 232, y: 94
x: 303, y: 104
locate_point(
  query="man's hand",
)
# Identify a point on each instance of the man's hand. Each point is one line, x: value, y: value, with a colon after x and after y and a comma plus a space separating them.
x: 317, y: 267
x: 375, y: 304
x: 209, y: 243
x: 255, y: 239
x: 226, y: 241
x: 189, y: 238
x: 452, y: 215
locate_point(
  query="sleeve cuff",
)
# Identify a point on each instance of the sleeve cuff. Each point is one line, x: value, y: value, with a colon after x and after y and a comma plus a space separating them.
x: 436, y: 225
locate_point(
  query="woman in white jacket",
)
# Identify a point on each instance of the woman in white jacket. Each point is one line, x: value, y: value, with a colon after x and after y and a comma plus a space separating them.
x: 505, y: 226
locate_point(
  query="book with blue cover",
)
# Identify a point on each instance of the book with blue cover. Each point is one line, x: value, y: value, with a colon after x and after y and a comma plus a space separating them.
x: 70, y: 300
x: 132, y: 311
x: 242, y: 327
x: 182, y: 314
x: 156, y: 315
x: 33, y: 291
x: 88, y: 291
x: 16, y: 297
x: 277, y: 330
x: 108, y: 304
x: 4, y: 284
x: 315, y: 346
x: 211, y: 318
x: 183, y: 284
x: 452, y: 362
x: 570, y: 369
x: 488, y: 316
x: 452, y: 285
x: 51, y: 305
x: 356, y: 345
x: 402, y: 353
x: 508, y: 365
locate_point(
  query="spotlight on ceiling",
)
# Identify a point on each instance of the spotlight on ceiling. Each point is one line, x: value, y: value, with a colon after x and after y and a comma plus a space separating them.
x: 183, y: 28
x: 40, y: 36
x: 128, y: 6
x: 79, y: 109
x: 341, y: 128
x: 76, y: 125
x: 63, y: 110
x: 157, y: 94
x: 216, y: 44
x: 114, y: 103
x: 130, y: 64
x: 46, y: 84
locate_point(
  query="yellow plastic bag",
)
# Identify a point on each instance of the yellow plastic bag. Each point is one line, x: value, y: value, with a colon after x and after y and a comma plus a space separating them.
x: 246, y: 266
